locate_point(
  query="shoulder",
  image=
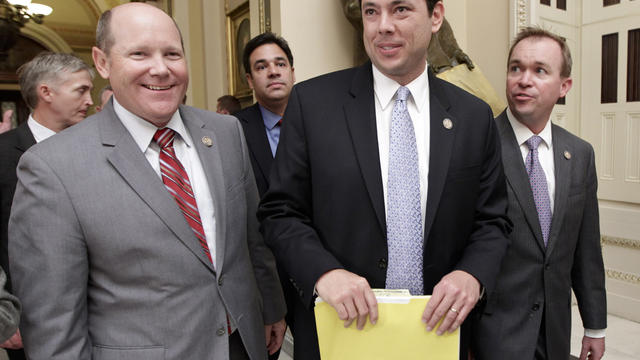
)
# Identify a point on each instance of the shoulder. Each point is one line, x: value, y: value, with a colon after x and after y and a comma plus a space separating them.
x: 574, y: 142
x: 249, y: 113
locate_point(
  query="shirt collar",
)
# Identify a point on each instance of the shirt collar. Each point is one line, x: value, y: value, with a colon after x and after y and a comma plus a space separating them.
x: 523, y: 133
x: 385, y: 88
x: 143, y: 131
x: 269, y: 118
x: 39, y: 131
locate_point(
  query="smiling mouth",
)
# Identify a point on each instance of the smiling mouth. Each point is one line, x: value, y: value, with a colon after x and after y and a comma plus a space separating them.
x: 157, y: 88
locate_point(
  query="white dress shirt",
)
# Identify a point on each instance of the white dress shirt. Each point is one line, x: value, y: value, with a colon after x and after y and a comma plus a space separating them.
x: 418, y: 105
x: 545, y: 150
x: 142, y: 132
x: 545, y: 155
x: 39, y: 131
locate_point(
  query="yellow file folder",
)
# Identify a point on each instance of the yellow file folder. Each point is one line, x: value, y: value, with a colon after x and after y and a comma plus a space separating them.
x: 398, y: 334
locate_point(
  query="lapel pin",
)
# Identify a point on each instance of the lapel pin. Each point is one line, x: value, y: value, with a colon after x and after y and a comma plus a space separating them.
x: 567, y: 155
x: 447, y: 123
x: 208, y: 142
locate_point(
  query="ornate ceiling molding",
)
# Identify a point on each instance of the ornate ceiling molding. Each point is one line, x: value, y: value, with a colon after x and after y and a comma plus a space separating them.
x: 620, y: 242
x: 47, y: 37
x: 623, y: 276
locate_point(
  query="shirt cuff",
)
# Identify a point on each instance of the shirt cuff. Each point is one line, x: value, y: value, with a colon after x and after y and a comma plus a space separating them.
x: 593, y: 333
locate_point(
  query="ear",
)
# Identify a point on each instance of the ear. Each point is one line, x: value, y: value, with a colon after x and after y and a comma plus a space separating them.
x: 565, y: 86
x: 250, y: 80
x: 45, y: 93
x: 101, y: 61
x: 293, y: 74
x: 437, y: 17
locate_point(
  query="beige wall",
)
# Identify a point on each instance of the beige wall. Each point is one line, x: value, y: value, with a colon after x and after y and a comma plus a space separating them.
x: 320, y: 37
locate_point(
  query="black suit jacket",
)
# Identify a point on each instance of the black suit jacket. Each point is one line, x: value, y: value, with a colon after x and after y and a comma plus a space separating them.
x: 12, y: 145
x: 325, y: 207
x: 259, y: 148
x: 534, y: 285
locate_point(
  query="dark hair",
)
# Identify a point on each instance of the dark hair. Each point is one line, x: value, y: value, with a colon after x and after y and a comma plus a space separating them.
x: 538, y: 32
x: 430, y: 4
x: 229, y: 103
x: 262, y: 39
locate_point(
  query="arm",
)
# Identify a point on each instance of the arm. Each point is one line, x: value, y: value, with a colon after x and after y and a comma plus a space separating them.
x: 264, y: 264
x: 9, y: 312
x: 49, y: 264
x: 457, y: 293
x: 587, y: 274
x: 286, y: 214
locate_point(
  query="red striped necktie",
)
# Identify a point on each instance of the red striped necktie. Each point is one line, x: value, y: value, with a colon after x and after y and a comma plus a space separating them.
x: 177, y: 182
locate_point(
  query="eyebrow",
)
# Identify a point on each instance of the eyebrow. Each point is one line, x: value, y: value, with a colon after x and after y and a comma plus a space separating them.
x: 277, y: 58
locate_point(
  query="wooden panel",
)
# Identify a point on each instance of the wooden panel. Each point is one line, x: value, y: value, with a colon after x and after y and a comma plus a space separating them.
x: 633, y: 66
x: 611, y: 2
x: 607, y: 150
x: 561, y: 4
x: 633, y: 148
x: 609, y: 88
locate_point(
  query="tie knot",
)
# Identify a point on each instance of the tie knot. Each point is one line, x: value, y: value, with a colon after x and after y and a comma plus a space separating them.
x: 164, y: 137
x: 533, y: 142
x: 403, y: 93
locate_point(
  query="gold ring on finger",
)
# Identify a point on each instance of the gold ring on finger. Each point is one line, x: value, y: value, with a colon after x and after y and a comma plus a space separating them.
x: 453, y: 310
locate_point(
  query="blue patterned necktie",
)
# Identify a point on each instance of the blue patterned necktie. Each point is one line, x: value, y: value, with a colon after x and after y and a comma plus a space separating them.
x: 539, y: 186
x: 404, y: 219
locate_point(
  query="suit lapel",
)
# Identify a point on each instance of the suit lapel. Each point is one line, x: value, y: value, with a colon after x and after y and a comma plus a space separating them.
x: 517, y: 177
x: 562, y: 167
x: 440, y: 145
x: 132, y: 165
x: 24, y: 137
x: 360, y: 114
x: 212, y: 165
x: 257, y: 141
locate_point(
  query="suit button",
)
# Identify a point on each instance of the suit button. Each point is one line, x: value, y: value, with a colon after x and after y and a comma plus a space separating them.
x: 221, y: 331
x: 382, y: 264
x: 220, y: 280
x: 535, y: 307
x: 547, y: 267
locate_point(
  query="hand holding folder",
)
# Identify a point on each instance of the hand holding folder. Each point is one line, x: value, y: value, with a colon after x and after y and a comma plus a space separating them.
x: 398, y: 334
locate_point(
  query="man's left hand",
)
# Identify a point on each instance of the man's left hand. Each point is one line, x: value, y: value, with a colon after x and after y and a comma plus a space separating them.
x: 274, y: 335
x: 453, y: 298
x: 592, y: 348
x: 14, y: 342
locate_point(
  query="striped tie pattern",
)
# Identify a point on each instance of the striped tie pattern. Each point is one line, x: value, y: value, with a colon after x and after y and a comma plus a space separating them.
x: 176, y: 181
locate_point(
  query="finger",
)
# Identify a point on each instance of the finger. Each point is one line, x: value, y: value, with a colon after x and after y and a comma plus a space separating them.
x: 351, y: 312
x: 342, y: 311
x: 584, y: 352
x: 363, y: 311
x: 372, y: 303
x: 449, y: 318
x: 440, y: 311
x: 462, y: 315
x: 433, y: 303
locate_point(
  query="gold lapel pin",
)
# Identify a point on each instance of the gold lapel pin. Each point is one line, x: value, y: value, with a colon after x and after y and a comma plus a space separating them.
x: 447, y: 123
x: 207, y: 141
x: 567, y: 155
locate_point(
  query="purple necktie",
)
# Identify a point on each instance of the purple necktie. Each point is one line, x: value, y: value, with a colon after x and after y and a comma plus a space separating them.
x: 539, y: 186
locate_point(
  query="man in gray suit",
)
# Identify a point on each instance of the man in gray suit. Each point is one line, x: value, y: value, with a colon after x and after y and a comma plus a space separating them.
x: 555, y: 243
x: 135, y: 233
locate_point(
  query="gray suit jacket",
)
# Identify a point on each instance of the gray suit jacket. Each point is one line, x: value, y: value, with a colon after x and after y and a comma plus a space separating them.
x: 9, y: 311
x: 108, y: 268
x: 534, y: 285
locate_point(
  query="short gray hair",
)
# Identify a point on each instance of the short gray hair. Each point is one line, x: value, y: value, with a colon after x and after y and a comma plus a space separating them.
x: 47, y: 67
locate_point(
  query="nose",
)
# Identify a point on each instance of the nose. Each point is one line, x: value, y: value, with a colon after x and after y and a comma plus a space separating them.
x: 385, y: 25
x: 273, y: 70
x: 158, y: 67
x: 88, y: 99
x: 525, y: 79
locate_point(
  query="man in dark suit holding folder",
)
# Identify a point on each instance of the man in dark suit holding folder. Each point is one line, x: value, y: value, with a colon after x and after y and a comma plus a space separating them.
x: 387, y: 177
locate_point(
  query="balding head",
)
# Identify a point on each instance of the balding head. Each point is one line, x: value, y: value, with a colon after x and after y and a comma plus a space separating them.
x: 140, y: 52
